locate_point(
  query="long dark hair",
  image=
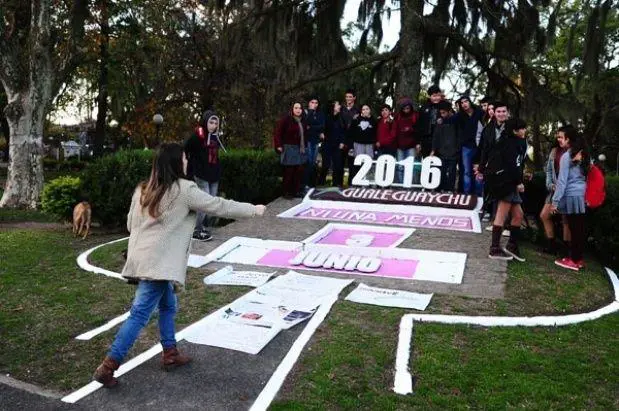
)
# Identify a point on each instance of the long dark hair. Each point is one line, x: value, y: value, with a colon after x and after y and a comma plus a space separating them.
x: 167, y: 169
x: 331, y: 108
x: 578, y: 144
x: 512, y: 125
x: 486, y: 118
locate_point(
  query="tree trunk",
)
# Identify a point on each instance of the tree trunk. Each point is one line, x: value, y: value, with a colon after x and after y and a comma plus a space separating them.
x: 5, y: 130
x: 25, y: 114
x: 103, y: 80
x: 411, y: 49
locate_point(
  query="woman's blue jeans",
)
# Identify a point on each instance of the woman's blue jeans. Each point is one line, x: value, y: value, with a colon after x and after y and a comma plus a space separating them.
x: 148, y: 296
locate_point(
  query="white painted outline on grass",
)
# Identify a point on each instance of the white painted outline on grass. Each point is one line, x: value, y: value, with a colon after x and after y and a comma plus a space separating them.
x: 82, y: 262
x: 403, y: 380
x: 272, y: 387
x: 107, y: 326
x: 123, y: 369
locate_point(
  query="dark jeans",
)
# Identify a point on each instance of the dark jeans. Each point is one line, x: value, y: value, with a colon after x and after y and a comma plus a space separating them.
x: 332, y: 159
x: 393, y: 152
x: 448, y: 174
x: 148, y: 296
x: 292, y: 180
x: 350, y: 160
x: 312, y: 153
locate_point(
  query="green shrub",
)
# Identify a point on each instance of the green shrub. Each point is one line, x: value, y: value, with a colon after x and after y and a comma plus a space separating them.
x: 251, y: 176
x: 602, y: 224
x: 71, y: 164
x: 109, y: 182
x: 60, y: 195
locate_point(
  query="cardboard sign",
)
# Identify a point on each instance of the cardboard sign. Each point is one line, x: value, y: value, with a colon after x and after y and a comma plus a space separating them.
x: 390, y: 196
x: 357, y: 235
x: 397, y: 263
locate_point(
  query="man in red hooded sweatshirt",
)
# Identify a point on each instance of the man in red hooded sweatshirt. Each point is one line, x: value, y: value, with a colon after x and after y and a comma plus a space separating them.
x: 405, y: 133
x: 385, y: 140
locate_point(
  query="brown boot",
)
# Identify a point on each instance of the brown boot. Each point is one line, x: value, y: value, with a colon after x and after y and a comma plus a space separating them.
x: 172, y: 359
x: 105, y: 373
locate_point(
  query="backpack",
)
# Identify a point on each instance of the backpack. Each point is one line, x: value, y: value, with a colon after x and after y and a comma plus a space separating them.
x: 595, y: 192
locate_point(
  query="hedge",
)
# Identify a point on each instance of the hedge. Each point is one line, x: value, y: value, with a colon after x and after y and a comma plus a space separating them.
x: 60, y: 195
x: 108, y: 183
x: 603, y: 224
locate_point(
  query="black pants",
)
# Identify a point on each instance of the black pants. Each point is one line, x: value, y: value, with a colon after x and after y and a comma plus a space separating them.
x: 352, y: 169
x: 292, y: 180
x: 332, y: 158
x: 448, y: 174
x: 576, y: 222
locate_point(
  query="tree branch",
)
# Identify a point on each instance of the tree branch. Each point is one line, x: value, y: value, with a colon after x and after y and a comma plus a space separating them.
x: 68, y: 62
x: 390, y: 55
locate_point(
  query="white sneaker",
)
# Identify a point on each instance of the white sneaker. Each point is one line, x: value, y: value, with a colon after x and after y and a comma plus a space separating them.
x: 489, y: 228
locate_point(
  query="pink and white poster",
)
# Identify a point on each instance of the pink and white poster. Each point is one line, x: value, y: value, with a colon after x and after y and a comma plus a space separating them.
x: 389, y: 262
x: 357, y: 235
x: 387, y: 215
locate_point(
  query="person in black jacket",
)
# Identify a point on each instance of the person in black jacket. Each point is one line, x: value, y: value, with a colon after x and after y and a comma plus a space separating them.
x: 333, y: 145
x: 202, y: 152
x: 468, y: 120
x: 361, y: 135
x: 428, y: 119
x: 445, y: 145
x: 491, y: 134
x: 315, y: 120
x: 489, y: 137
x: 504, y: 176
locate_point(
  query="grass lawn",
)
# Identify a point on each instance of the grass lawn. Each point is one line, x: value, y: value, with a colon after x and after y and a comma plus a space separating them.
x: 47, y: 300
x: 350, y: 365
x: 9, y: 215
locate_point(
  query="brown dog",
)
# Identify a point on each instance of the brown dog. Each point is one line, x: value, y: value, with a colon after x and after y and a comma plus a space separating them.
x: 81, y: 219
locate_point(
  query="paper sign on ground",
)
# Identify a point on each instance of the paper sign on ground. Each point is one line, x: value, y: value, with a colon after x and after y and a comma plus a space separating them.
x: 358, y: 235
x: 397, y: 263
x: 268, y: 312
x: 227, y: 276
x: 250, y: 322
x: 388, y: 215
x: 197, y: 261
x: 233, y: 336
x: 389, y: 298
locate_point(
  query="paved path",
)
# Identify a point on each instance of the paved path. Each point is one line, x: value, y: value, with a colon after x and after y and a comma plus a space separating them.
x: 482, y: 277
x: 217, y: 379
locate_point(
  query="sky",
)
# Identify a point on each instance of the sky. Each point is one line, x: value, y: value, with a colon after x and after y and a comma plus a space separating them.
x: 391, y: 27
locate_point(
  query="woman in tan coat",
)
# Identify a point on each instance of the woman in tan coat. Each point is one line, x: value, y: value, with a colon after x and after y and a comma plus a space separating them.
x: 160, y: 222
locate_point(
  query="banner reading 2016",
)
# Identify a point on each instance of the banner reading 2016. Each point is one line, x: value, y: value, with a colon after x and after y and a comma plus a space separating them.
x: 429, y: 170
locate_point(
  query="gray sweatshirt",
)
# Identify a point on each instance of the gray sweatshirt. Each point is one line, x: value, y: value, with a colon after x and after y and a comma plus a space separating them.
x: 571, y: 181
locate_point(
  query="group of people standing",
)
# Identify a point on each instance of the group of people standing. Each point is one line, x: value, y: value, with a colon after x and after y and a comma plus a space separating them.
x: 482, y: 149
x: 346, y: 130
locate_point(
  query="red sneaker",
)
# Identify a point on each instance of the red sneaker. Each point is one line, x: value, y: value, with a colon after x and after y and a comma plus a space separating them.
x: 567, y: 263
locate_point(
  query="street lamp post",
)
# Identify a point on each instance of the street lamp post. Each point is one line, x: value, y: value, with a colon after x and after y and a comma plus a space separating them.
x: 158, y: 120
